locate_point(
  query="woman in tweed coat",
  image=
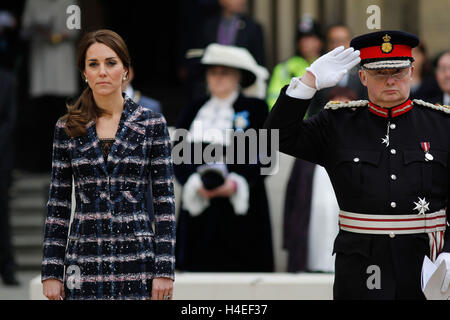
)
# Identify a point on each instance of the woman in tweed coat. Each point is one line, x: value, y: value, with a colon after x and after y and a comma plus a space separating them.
x: 111, y: 251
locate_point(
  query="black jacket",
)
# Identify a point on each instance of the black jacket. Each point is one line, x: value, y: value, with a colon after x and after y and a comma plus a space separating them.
x: 7, y: 117
x: 250, y: 36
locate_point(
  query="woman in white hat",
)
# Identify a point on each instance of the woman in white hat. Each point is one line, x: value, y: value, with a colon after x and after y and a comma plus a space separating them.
x: 224, y: 222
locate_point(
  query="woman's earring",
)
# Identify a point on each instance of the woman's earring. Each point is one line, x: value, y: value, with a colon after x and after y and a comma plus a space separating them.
x: 86, y: 80
x: 124, y: 78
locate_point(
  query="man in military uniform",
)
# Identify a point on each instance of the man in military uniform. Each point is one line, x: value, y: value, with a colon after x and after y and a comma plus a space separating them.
x: 388, y: 161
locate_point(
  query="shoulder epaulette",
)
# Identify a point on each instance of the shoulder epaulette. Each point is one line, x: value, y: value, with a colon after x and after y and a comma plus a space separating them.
x: 436, y: 106
x: 334, y: 105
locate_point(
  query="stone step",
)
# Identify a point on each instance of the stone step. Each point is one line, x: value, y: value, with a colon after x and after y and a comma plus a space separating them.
x: 29, y: 194
x: 23, y: 182
x: 26, y: 214
x: 28, y: 203
x: 27, y: 241
x: 30, y: 224
x: 28, y: 251
x: 29, y: 261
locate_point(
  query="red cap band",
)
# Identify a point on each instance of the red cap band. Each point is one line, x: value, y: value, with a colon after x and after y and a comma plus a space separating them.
x: 375, y: 52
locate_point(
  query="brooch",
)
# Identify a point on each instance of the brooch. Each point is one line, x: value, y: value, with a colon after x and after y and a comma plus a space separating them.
x: 241, y: 120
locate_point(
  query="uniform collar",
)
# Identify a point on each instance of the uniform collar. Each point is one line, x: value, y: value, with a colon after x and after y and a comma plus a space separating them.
x: 391, y: 112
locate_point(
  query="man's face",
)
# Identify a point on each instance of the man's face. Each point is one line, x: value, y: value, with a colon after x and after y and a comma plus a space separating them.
x: 310, y: 47
x: 443, y: 73
x: 388, y: 87
x: 234, y: 6
x: 338, y: 36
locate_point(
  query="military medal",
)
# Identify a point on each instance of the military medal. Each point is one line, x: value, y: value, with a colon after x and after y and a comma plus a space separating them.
x: 426, y: 148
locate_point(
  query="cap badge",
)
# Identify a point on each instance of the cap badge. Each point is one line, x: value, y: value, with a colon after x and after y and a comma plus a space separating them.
x: 386, y: 47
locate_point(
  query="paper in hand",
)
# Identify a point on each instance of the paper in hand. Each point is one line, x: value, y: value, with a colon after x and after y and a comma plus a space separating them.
x: 432, y: 279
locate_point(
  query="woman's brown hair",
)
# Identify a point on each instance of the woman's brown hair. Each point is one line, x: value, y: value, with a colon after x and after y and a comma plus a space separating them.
x: 85, y: 109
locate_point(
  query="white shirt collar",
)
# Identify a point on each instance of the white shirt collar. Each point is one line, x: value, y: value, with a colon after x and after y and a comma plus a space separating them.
x: 446, y: 99
x: 129, y: 91
x: 214, y: 121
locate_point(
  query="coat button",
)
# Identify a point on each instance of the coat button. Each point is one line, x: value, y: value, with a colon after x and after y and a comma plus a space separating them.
x: 393, y: 151
x: 392, y: 235
x: 393, y: 204
x: 356, y: 160
x: 392, y: 126
x: 393, y: 177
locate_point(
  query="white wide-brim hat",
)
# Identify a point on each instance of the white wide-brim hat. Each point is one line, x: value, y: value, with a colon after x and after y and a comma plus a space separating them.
x: 233, y: 57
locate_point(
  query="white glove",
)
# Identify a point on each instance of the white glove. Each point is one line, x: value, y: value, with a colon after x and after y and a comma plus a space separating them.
x: 446, y: 257
x: 330, y: 68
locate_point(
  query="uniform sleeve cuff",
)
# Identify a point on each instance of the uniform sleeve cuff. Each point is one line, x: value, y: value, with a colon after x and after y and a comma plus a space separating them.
x: 240, y: 199
x: 297, y: 89
x: 193, y: 202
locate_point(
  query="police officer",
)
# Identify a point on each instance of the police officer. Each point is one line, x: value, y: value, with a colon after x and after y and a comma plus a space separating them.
x: 309, y: 46
x: 388, y: 161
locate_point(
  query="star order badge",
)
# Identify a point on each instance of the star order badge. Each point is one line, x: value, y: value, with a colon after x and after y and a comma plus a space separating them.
x: 422, y: 206
x: 387, y: 46
x: 385, y: 140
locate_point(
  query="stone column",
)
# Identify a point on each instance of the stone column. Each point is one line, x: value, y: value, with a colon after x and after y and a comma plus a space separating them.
x: 285, y: 31
x: 434, y: 25
x: 263, y: 14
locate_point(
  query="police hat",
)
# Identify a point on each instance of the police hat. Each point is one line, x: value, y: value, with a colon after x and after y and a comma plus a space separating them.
x: 385, y: 49
x: 307, y: 26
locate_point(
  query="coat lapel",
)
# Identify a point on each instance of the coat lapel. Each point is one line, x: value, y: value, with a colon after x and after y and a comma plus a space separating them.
x: 93, y: 139
x: 130, y: 133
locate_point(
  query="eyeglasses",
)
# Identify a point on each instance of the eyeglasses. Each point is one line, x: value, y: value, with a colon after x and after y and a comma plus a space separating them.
x: 384, y: 76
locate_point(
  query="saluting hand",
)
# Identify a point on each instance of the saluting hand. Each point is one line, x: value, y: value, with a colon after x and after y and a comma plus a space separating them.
x: 330, y: 68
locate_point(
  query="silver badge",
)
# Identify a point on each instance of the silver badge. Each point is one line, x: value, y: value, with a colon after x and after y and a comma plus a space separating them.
x: 428, y: 157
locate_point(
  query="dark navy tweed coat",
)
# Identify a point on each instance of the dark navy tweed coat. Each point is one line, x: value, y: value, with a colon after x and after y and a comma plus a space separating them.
x: 112, y: 250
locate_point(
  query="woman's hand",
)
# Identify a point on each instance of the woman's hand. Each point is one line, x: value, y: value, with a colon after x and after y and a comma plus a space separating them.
x: 53, y: 289
x: 162, y: 289
x: 226, y: 190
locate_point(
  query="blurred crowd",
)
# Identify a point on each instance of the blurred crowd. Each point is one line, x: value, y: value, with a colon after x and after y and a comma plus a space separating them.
x: 224, y: 220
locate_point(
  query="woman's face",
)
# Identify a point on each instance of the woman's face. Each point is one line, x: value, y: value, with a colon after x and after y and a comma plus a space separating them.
x: 104, y: 70
x: 222, y: 81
